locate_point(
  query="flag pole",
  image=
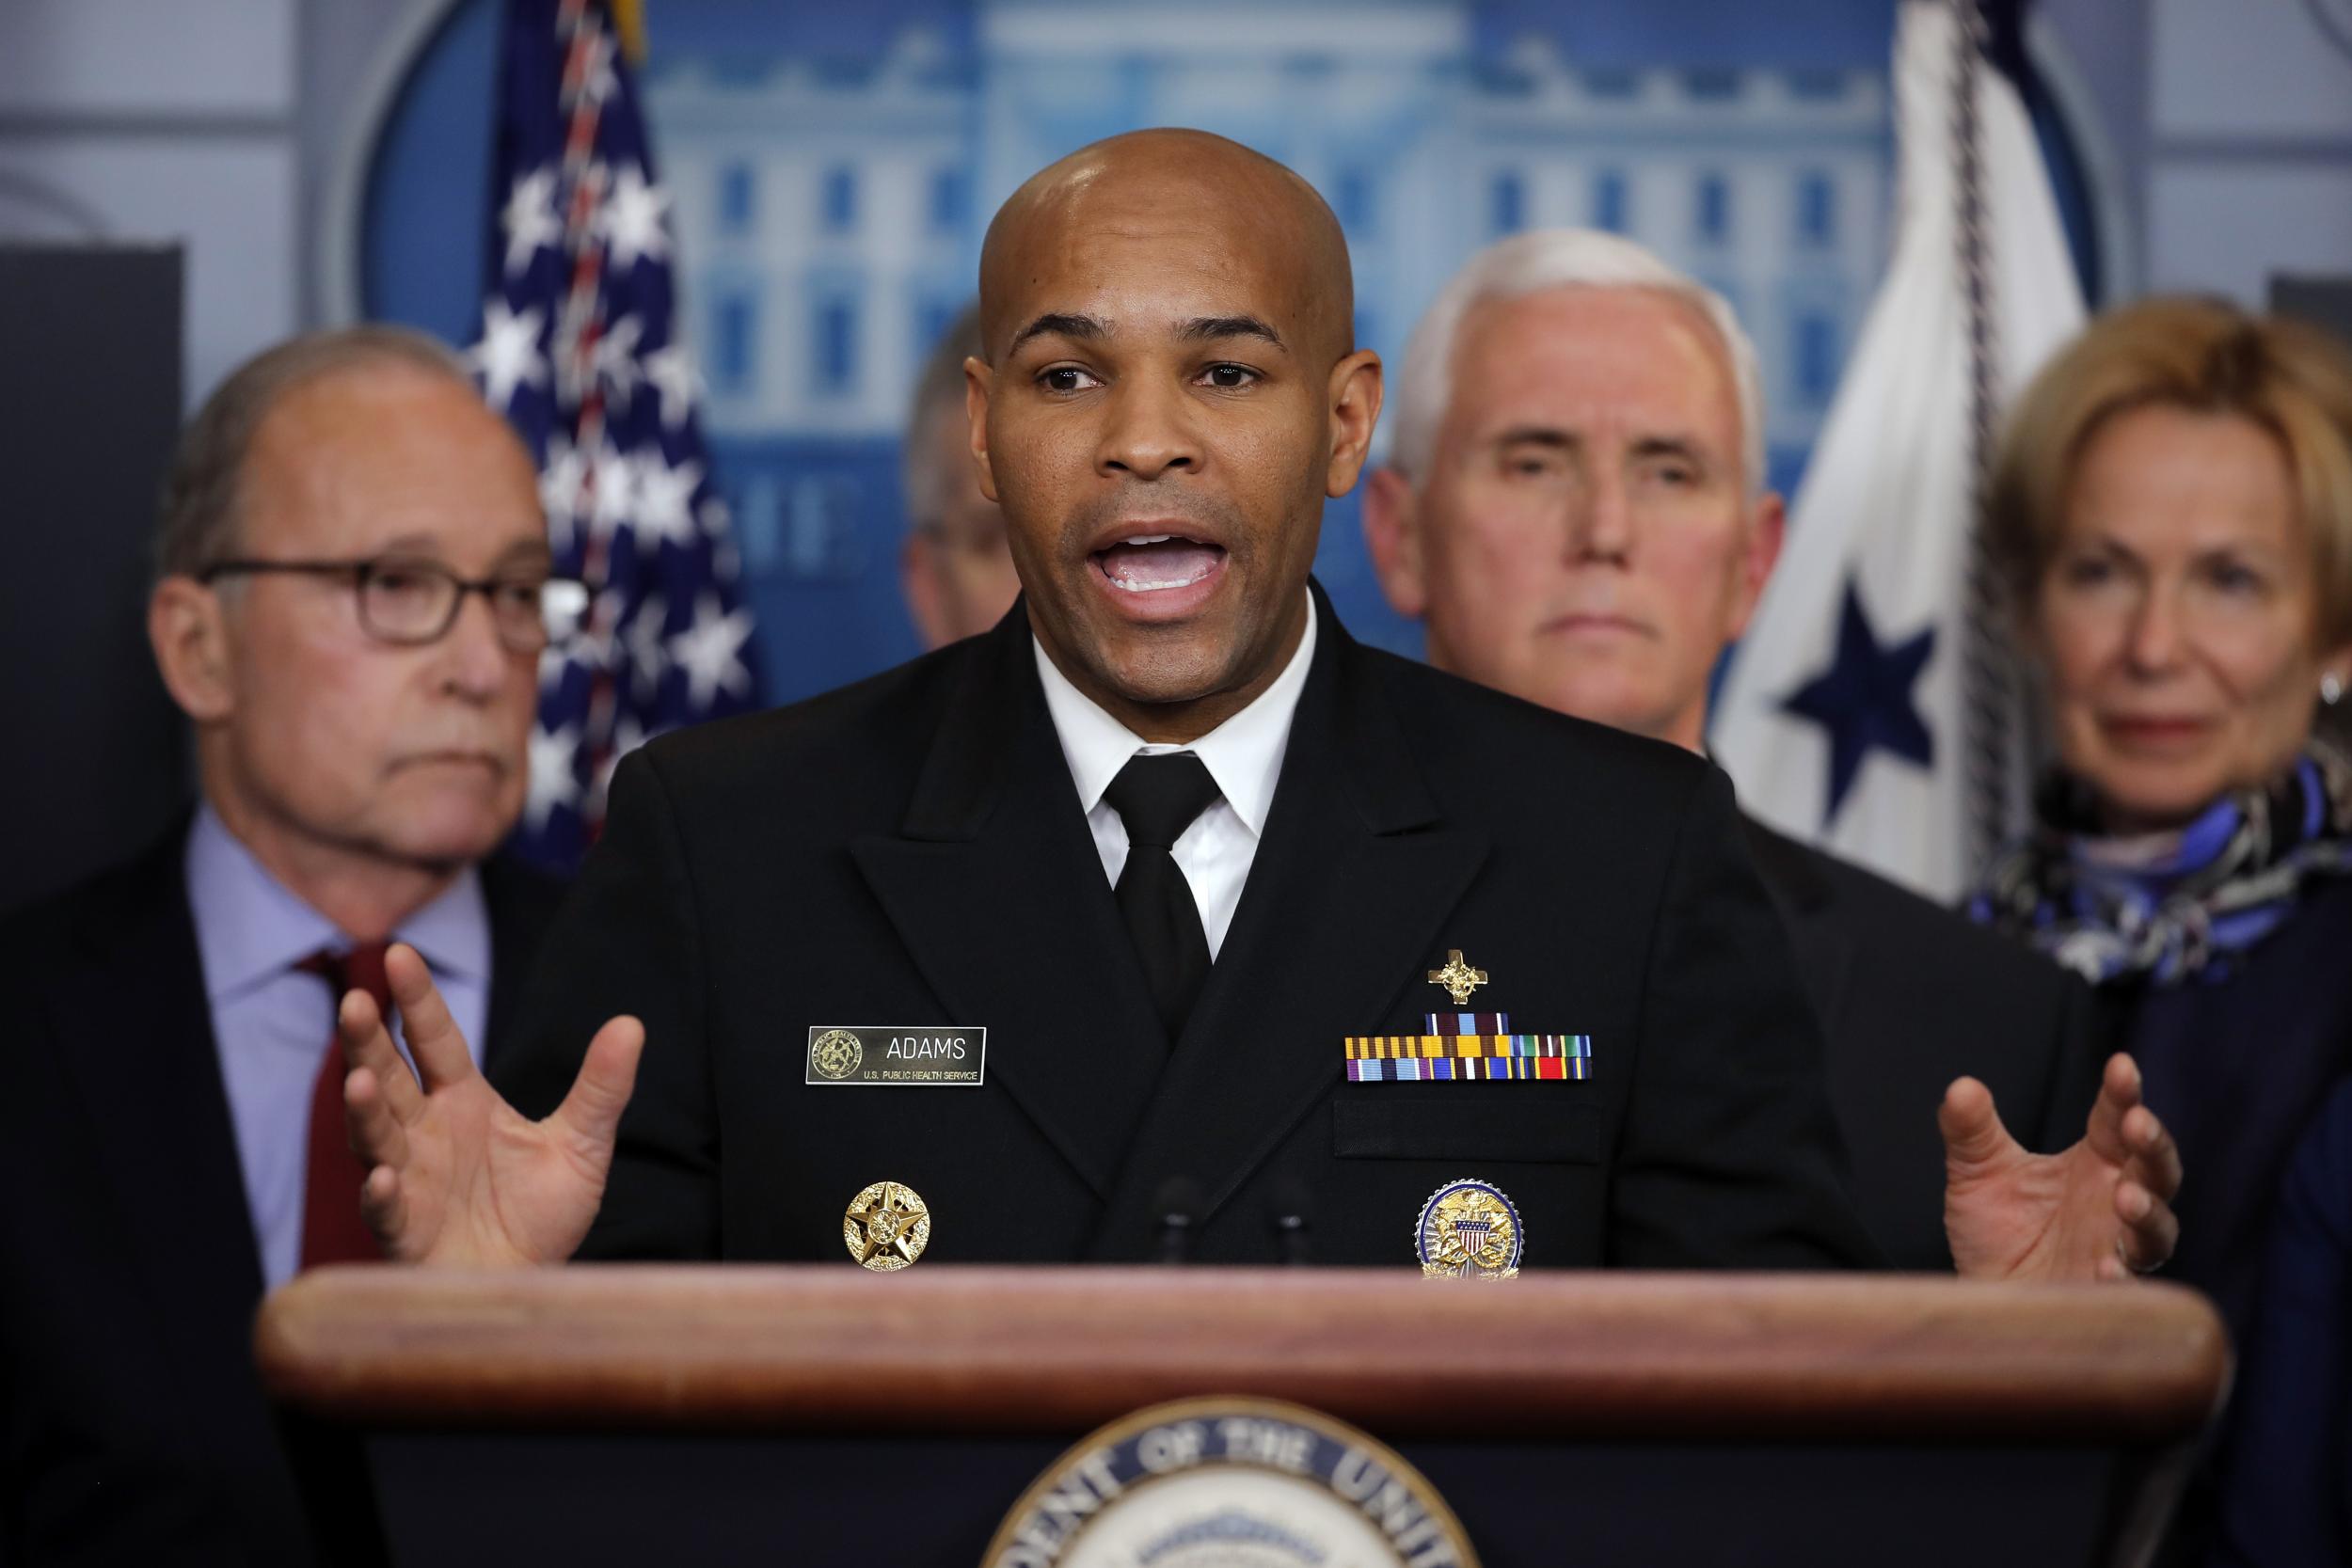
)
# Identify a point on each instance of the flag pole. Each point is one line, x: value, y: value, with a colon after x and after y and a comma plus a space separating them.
x: 1986, y: 704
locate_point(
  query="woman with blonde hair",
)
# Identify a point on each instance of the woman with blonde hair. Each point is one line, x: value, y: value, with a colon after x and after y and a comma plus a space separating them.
x: 2172, y: 503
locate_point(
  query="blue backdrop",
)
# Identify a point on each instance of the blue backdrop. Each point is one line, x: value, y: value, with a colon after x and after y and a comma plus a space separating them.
x: 832, y: 169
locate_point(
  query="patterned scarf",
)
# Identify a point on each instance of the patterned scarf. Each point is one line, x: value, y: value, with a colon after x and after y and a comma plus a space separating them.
x: 2166, y: 907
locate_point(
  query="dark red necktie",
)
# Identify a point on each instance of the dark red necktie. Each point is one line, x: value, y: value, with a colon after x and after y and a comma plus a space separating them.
x: 333, y: 1228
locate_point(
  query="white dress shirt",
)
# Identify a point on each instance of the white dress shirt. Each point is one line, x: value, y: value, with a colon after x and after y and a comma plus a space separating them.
x: 271, y: 1021
x: 1243, y: 755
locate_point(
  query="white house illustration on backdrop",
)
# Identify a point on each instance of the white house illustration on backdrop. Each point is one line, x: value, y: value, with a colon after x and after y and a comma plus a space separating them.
x: 830, y: 213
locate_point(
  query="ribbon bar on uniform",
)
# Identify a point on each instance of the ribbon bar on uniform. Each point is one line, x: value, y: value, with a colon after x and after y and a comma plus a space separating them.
x: 1422, y: 1059
x: 1468, y: 1023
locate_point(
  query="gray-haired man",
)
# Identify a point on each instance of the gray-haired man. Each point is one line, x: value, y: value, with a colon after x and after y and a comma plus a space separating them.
x: 955, y: 567
x: 349, y: 609
x: 1576, y: 505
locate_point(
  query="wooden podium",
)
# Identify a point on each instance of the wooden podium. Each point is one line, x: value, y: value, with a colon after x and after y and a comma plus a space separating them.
x: 819, y: 1415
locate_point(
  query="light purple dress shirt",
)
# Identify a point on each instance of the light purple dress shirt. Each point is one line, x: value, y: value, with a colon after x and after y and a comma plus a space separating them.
x: 271, y: 1020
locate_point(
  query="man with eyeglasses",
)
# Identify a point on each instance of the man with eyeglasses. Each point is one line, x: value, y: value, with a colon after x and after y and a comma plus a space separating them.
x: 351, y: 598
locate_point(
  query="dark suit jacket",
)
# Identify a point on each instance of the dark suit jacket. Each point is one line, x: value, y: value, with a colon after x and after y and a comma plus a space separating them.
x: 2236, y: 1060
x: 133, y: 1428
x: 910, y: 852
x: 2286, y: 1487
x: 1911, y: 996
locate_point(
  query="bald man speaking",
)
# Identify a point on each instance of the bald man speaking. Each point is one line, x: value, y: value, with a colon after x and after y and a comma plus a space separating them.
x: 1164, y: 914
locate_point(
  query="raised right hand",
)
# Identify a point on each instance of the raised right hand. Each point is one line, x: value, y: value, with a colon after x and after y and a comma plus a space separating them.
x: 456, y: 1175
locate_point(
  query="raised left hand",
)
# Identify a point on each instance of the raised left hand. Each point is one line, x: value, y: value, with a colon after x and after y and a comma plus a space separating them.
x: 2102, y: 1210
x: 455, y: 1176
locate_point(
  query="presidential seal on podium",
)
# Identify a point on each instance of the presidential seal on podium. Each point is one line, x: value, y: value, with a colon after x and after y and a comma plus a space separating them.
x: 1230, y: 1483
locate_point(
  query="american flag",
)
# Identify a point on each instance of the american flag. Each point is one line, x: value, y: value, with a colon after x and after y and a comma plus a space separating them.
x: 579, y: 350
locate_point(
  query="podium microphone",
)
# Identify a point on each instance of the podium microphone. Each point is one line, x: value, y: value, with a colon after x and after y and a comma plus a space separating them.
x: 1288, y: 1209
x: 1178, y: 1203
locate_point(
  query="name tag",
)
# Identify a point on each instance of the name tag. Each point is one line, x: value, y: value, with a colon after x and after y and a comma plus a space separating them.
x: 947, y: 1056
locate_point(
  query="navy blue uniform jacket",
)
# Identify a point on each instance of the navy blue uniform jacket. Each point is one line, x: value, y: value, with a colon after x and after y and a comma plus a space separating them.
x: 910, y: 852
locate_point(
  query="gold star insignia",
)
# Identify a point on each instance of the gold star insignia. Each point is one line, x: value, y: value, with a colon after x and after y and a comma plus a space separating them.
x: 887, y: 1227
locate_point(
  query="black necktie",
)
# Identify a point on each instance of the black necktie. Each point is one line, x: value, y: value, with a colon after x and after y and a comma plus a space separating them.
x: 1158, y: 797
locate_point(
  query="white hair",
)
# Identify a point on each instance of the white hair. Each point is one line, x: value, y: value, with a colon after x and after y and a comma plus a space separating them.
x: 1555, y: 259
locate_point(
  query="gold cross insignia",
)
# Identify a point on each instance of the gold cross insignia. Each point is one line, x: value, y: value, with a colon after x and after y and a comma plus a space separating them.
x: 1458, y: 978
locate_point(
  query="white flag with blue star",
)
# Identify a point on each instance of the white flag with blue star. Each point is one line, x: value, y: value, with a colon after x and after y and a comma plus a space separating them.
x: 1840, y: 720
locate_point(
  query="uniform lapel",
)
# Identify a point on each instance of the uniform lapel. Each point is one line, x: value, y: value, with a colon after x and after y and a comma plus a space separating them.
x: 522, y: 905
x: 994, y: 886
x: 1352, y: 880
x: 1824, y: 949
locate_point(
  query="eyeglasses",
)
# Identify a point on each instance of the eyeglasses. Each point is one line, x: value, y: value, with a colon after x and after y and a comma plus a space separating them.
x: 411, y: 601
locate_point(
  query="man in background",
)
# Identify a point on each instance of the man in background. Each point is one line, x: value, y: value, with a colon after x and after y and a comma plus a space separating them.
x: 1575, y: 504
x: 955, y: 567
x: 353, y: 576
